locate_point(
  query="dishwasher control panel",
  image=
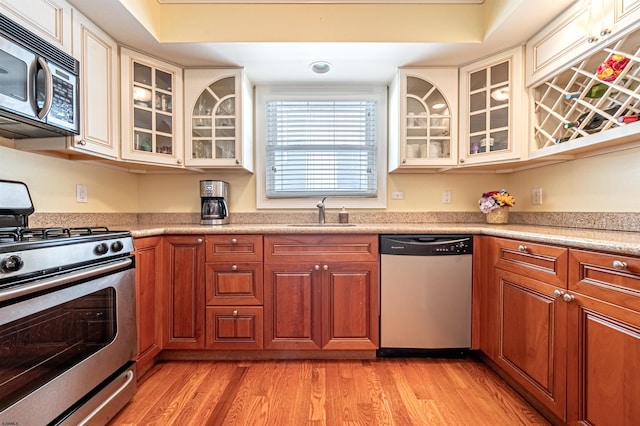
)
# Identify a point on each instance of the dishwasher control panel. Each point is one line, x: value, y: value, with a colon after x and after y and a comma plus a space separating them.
x: 426, y: 245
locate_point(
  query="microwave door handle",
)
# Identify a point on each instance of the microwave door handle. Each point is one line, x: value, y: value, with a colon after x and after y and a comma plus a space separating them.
x: 48, y: 99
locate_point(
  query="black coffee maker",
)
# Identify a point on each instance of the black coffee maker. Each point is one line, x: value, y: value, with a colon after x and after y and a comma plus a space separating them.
x: 213, y: 208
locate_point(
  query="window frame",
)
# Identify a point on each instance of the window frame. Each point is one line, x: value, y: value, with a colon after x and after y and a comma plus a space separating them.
x: 268, y: 93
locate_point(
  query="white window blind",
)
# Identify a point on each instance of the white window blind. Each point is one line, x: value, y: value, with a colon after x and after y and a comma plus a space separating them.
x: 321, y: 148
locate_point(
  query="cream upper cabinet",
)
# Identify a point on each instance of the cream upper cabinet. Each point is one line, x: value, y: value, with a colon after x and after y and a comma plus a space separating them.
x: 151, y: 110
x: 218, y: 119
x: 590, y: 105
x: 584, y: 26
x: 49, y: 19
x: 99, y: 117
x: 423, y: 117
x: 492, y: 109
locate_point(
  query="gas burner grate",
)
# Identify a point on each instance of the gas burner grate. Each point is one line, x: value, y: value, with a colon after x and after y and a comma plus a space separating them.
x: 44, y: 233
x: 90, y: 230
x: 9, y: 234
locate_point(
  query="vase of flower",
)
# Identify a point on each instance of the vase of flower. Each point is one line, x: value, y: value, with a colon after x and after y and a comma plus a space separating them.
x: 498, y: 216
x: 495, y: 205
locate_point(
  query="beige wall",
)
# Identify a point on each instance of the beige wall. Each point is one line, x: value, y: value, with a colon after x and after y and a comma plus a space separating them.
x: 52, y: 183
x: 605, y: 183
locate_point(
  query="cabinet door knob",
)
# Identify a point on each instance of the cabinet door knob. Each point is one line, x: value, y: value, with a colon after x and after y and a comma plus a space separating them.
x: 325, y: 267
x: 82, y: 142
x: 522, y: 249
x: 234, y: 313
x: 619, y: 264
x: 317, y: 267
x: 234, y: 267
x: 178, y: 161
x: 199, y: 240
x: 605, y: 32
x: 557, y: 293
x: 567, y: 297
x: 234, y: 241
x: 592, y: 39
x: 237, y: 162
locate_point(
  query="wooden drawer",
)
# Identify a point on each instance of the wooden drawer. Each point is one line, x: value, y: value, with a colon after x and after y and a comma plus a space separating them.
x: 609, y: 277
x: 234, y: 283
x: 234, y: 248
x: 321, y: 248
x: 539, y: 261
x: 237, y: 327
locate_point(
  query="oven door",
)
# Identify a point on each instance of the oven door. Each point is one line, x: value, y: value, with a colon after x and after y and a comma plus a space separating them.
x: 64, y: 341
x: 17, y: 68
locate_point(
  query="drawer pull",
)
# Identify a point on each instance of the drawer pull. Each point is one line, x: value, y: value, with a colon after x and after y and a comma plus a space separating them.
x: 557, y: 293
x: 234, y: 267
x: 567, y: 297
x: 234, y: 241
x: 234, y: 313
x: 619, y: 264
x: 522, y: 249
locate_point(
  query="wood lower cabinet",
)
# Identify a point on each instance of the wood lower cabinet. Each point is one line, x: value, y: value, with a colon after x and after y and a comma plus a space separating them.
x: 532, y: 338
x: 234, y: 327
x: 321, y: 292
x: 234, y: 292
x: 184, y: 292
x: 148, y: 255
x: 529, y: 280
x: 293, y: 303
x: 603, y: 369
x: 349, y: 306
x: 568, y: 328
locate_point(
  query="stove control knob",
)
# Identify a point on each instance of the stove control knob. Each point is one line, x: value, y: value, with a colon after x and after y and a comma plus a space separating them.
x: 12, y: 264
x: 101, y: 249
x: 117, y: 246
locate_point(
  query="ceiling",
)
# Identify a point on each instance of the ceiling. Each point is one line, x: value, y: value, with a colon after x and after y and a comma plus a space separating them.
x: 276, y: 40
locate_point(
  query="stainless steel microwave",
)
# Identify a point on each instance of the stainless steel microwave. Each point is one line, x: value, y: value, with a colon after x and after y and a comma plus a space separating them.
x: 39, y: 86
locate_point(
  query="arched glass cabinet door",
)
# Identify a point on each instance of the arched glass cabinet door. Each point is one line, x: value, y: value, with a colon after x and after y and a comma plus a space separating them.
x: 213, y: 121
x: 427, y: 122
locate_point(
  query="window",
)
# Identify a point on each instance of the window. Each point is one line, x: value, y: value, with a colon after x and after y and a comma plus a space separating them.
x: 318, y: 142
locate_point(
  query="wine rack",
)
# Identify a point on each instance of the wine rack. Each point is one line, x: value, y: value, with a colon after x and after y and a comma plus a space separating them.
x: 576, y: 103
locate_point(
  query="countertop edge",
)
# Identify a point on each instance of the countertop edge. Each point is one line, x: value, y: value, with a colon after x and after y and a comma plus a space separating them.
x: 599, y: 240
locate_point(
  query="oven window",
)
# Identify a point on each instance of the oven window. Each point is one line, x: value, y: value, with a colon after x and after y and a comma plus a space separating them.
x: 37, y: 348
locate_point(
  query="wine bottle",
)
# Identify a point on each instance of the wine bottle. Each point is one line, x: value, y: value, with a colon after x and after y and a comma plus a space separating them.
x: 596, y: 91
x: 597, y: 120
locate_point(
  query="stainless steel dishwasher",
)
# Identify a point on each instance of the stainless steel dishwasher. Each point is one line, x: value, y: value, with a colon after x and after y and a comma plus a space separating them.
x: 425, y: 295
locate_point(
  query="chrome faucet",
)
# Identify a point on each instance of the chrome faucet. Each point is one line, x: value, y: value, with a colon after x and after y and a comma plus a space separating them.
x: 320, y: 207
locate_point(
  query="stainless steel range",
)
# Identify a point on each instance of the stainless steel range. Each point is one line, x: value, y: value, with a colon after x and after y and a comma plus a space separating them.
x: 67, y: 319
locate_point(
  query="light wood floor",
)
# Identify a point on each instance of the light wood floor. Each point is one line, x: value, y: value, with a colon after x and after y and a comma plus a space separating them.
x: 317, y: 392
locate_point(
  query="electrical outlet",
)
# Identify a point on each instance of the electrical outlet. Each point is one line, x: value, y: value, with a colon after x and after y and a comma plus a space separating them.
x: 397, y: 195
x: 536, y: 196
x: 446, y: 196
x: 81, y: 193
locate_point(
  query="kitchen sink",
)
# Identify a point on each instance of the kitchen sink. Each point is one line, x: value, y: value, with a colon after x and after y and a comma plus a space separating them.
x: 321, y: 225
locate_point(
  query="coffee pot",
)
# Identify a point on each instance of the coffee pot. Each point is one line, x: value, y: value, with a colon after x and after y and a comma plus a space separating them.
x: 213, y: 202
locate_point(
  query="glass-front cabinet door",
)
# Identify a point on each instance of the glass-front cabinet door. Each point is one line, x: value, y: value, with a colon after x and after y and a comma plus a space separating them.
x: 151, y: 102
x: 423, y: 124
x: 217, y: 129
x: 492, y: 127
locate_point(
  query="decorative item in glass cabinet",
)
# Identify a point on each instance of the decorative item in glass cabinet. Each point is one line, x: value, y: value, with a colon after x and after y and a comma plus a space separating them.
x: 495, y: 204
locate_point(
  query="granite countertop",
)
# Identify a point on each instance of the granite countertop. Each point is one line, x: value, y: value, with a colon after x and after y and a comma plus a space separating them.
x: 608, y: 241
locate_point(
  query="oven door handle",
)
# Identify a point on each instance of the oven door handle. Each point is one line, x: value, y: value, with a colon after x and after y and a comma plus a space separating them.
x: 49, y: 283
